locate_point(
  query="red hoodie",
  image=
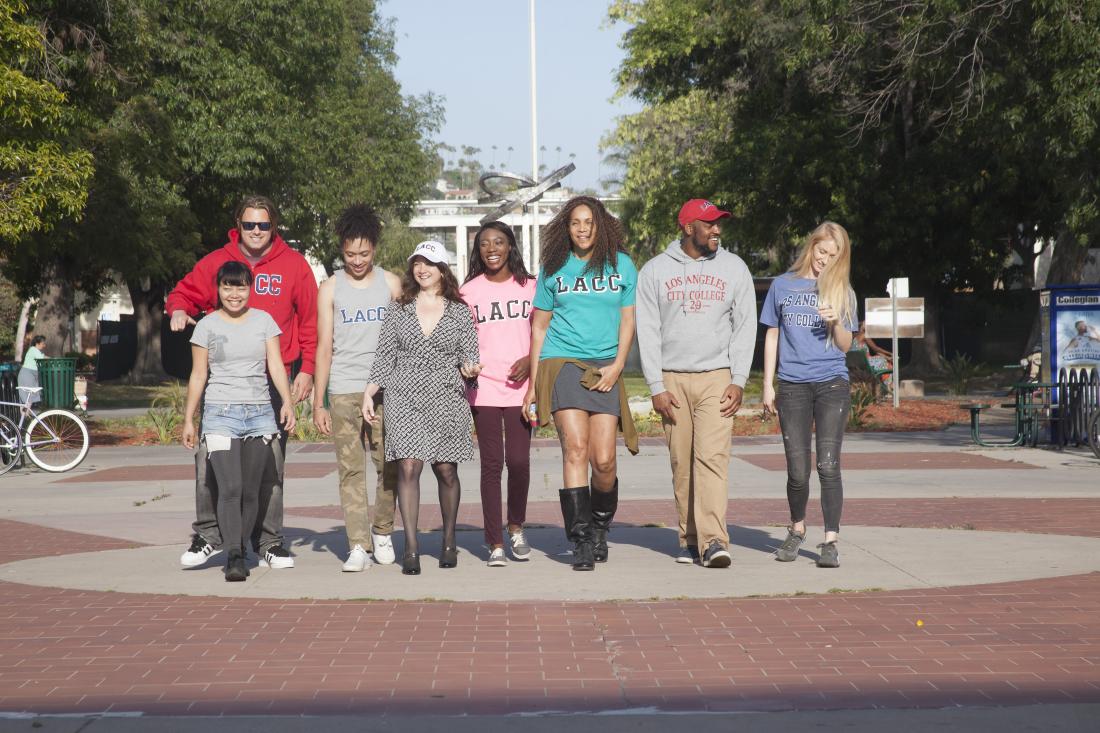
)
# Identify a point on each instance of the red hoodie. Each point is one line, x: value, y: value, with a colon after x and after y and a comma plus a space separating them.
x: 283, y: 285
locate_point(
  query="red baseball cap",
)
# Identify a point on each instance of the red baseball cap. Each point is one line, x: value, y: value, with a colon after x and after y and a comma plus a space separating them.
x: 700, y: 210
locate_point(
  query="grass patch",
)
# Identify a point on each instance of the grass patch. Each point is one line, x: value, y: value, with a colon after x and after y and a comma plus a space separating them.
x: 114, y: 394
x: 636, y: 386
x: 855, y: 590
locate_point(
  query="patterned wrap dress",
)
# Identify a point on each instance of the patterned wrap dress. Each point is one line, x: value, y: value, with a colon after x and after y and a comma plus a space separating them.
x: 427, y: 415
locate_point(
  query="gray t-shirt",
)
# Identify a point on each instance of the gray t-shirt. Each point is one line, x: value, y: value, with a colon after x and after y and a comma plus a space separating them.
x: 357, y: 315
x: 237, y: 357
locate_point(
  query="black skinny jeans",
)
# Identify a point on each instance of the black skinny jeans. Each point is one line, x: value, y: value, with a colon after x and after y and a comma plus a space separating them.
x: 803, y: 406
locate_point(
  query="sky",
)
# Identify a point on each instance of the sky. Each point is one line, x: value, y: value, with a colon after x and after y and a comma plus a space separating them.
x: 475, y: 55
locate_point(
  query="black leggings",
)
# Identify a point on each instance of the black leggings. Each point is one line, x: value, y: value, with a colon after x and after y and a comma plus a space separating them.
x: 824, y: 407
x: 408, y: 497
x: 239, y: 470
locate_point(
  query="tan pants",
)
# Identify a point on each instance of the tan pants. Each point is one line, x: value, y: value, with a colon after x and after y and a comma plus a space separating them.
x: 353, y: 436
x: 699, y: 447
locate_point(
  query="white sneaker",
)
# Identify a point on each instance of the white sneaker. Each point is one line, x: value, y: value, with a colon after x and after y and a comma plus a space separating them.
x: 383, y: 548
x: 357, y: 560
x: 496, y: 558
x: 199, y: 552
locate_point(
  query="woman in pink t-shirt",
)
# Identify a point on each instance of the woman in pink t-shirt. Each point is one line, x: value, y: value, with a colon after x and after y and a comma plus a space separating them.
x: 499, y: 291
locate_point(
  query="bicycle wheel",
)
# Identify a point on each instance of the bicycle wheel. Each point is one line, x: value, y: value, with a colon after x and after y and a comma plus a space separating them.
x: 10, y: 444
x: 1094, y: 432
x: 56, y: 441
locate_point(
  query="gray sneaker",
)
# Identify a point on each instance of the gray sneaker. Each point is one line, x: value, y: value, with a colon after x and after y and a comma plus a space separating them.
x: 496, y: 558
x: 716, y: 556
x: 788, y: 551
x: 688, y: 555
x: 520, y: 549
x: 830, y: 557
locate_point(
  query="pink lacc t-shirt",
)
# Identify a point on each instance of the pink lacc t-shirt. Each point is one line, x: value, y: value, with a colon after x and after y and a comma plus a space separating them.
x: 502, y: 313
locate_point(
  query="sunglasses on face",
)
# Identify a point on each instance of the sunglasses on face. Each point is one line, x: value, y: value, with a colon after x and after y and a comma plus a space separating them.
x: 250, y: 225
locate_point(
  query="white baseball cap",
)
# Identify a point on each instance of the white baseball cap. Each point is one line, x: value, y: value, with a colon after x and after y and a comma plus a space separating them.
x: 432, y: 251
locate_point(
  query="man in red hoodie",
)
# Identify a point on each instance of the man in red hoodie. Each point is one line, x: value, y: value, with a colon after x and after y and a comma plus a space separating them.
x: 284, y: 286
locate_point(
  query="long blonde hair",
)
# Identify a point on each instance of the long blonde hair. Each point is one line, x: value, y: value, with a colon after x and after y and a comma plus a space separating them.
x: 833, y: 284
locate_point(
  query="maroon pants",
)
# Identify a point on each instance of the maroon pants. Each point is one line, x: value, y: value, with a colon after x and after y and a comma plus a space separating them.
x: 503, y: 438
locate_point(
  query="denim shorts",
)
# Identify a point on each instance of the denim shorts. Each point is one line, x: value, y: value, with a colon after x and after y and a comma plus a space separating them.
x: 238, y: 420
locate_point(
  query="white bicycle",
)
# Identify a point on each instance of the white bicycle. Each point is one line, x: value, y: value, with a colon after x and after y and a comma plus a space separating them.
x: 55, y: 440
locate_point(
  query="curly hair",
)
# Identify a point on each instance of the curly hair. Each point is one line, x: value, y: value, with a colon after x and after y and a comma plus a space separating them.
x: 515, y: 258
x: 358, y: 221
x: 556, y: 243
x: 410, y: 288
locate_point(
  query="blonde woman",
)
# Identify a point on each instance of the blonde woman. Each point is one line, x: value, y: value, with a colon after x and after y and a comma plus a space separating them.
x: 810, y: 314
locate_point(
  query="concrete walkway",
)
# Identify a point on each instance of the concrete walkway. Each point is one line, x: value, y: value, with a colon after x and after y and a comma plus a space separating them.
x: 969, y: 580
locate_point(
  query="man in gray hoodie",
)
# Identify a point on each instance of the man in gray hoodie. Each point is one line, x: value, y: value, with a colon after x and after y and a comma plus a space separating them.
x: 696, y: 312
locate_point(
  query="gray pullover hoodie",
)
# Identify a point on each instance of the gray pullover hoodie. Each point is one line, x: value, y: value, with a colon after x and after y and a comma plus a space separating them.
x: 695, y: 315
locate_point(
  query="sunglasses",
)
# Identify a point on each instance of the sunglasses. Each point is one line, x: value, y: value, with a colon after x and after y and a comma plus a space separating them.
x: 250, y: 225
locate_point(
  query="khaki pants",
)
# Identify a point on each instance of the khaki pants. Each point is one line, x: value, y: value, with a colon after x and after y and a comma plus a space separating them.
x: 353, y: 436
x: 699, y: 447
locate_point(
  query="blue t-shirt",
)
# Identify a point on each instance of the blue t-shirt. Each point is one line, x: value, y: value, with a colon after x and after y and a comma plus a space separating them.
x: 804, y: 352
x: 585, y: 307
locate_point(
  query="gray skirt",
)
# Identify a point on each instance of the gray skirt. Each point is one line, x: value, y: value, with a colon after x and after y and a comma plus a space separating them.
x: 28, y: 380
x: 570, y: 394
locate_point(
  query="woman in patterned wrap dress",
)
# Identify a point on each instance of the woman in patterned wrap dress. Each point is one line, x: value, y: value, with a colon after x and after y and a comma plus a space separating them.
x: 426, y: 350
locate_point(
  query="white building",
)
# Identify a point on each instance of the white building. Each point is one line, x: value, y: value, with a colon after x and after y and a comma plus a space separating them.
x: 455, y: 221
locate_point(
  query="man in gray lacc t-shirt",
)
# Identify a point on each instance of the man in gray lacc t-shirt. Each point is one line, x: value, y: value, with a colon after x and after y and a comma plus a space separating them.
x: 351, y: 306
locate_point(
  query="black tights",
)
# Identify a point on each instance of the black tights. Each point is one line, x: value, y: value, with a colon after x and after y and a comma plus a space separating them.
x: 408, y: 497
x: 239, y: 470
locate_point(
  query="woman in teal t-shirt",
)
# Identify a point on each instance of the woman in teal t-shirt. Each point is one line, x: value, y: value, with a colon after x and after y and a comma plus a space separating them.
x: 583, y: 323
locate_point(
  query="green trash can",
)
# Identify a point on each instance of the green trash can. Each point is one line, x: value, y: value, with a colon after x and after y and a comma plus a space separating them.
x: 57, y: 377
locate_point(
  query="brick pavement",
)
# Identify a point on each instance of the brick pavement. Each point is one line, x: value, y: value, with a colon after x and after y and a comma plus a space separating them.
x: 1038, y: 641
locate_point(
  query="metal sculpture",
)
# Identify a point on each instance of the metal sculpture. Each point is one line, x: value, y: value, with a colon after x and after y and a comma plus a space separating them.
x: 528, y: 191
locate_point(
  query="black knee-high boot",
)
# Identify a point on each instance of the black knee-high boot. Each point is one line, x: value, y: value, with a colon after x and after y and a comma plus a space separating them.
x: 576, y: 510
x: 604, y: 504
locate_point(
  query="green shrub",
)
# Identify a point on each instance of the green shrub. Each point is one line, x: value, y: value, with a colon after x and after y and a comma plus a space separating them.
x: 166, y: 412
x: 960, y: 371
x: 863, y: 398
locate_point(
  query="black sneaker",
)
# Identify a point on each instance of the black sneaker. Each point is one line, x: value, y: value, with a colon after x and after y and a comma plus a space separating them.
x: 830, y: 557
x: 716, y: 556
x: 788, y: 551
x: 278, y: 557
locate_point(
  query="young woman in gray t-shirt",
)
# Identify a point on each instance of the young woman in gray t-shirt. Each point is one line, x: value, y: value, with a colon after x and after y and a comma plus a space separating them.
x: 233, y: 350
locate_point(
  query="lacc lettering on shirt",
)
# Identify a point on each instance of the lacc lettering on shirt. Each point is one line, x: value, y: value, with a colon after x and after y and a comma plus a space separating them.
x: 363, y: 315
x: 600, y: 284
x: 502, y: 310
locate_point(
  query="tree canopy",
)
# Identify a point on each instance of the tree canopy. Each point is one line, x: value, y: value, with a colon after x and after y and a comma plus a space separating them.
x: 943, y: 135
x: 43, y: 176
x: 188, y: 106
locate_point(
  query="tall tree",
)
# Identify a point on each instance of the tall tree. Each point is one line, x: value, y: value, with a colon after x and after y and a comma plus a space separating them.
x: 936, y: 131
x: 188, y: 106
x: 43, y: 174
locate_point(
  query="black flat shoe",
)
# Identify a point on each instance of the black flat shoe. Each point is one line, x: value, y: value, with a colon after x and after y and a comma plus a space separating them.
x: 448, y: 558
x: 410, y: 564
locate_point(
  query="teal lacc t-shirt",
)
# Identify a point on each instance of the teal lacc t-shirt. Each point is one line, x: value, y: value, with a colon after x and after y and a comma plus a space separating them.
x: 586, y: 308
